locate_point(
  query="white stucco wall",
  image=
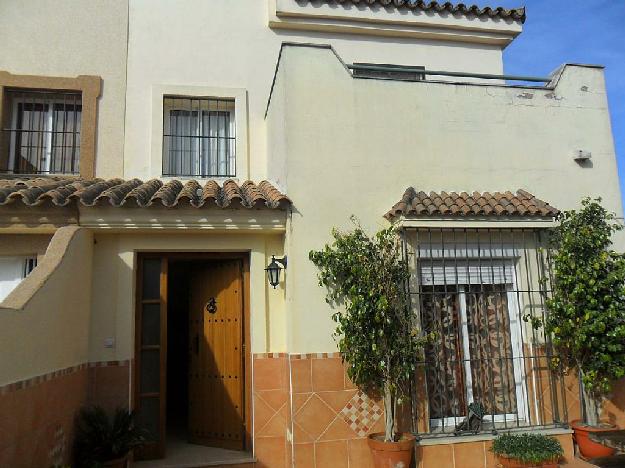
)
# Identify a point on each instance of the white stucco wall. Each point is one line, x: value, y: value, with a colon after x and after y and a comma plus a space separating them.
x: 384, y: 136
x: 68, y: 38
x: 228, y: 44
x: 113, y: 300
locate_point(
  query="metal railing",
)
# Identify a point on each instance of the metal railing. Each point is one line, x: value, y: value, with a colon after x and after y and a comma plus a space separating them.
x: 488, y: 369
x: 40, y: 132
x: 394, y: 71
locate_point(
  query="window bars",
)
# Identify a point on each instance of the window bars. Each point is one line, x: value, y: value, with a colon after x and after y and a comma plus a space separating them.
x: 478, y: 292
x: 41, y: 132
x: 199, y: 137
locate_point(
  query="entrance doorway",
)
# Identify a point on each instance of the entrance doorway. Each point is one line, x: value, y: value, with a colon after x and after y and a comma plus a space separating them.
x: 190, y: 382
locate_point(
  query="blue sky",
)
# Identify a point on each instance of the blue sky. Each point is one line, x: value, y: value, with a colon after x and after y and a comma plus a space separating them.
x: 577, y: 31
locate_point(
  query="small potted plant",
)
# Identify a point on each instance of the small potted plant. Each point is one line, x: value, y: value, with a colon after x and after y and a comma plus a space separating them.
x: 527, y: 451
x: 365, y: 278
x: 103, y: 441
x: 586, y: 311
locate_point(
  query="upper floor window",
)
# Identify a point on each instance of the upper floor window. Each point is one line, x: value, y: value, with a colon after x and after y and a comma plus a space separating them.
x: 199, y: 137
x: 41, y: 132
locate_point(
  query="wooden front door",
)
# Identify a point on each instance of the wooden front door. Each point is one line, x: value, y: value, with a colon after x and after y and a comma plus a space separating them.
x: 216, y: 357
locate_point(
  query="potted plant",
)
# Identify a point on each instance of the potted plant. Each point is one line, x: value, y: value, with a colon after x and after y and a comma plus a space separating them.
x: 103, y: 441
x: 586, y: 311
x: 527, y: 451
x: 365, y: 278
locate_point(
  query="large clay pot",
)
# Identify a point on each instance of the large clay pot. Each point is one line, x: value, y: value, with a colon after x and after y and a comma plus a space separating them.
x: 117, y: 463
x: 515, y: 463
x: 587, y: 447
x: 391, y: 454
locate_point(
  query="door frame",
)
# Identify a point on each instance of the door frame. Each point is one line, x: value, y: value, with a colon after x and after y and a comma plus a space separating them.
x: 166, y: 258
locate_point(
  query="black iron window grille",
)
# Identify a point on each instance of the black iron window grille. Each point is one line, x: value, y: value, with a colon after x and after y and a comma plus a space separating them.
x: 478, y: 291
x: 199, y: 137
x: 41, y: 132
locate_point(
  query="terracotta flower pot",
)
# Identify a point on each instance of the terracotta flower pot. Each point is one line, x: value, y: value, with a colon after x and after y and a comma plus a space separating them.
x: 391, y: 454
x: 507, y: 462
x: 117, y: 463
x: 587, y: 447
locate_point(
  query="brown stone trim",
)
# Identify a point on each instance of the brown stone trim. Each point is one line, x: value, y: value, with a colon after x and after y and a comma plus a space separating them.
x: 90, y: 87
x: 32, y: 381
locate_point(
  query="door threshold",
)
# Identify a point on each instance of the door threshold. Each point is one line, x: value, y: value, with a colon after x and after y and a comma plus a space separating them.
x: 198, y: 456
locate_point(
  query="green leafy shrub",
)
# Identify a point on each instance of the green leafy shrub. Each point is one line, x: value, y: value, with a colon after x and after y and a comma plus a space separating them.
x: 365, y: 278
x: 100, y: 438
x: 528, y: 448
x: 586, y: 313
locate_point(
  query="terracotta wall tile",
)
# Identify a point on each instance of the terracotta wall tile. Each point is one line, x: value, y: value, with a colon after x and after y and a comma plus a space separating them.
x: 37, y: 421
x: 360, y: 454
x: 314, y: 417
x: 301, y: 375
x: 331, y: 454
x: 262, y: 413
x: 328, y: 374
x: 338, y: 430
x: 337, y: 400
x: 270, y: 374
x: 304, y: 455
x: 108, y: 386
x: 435, y: 456
x: 270, y: 452
x: 469, y: 455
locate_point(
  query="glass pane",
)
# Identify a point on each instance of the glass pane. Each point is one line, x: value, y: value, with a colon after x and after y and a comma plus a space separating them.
x: 152, y: 278
x: 148, y: 416
x: 151, y: 324
x: 150, y: 371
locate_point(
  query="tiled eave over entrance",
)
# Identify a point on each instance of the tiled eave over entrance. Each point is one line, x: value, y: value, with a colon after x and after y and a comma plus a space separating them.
x: 475, y: 209
x: 44, y: 204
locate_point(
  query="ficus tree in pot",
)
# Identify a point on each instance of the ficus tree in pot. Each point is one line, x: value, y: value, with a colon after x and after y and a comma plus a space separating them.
x: 365, y: 278
x: 586, y: 310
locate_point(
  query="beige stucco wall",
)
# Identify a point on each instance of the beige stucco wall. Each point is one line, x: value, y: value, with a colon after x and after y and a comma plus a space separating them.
x: 385, y: 136
x: 24, y: 245
x: 44, y: 322
x: 228, y: 44
x: 113, y: 300
x: 68, y: 38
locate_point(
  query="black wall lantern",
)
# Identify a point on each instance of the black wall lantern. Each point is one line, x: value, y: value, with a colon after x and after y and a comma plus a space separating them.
x: 273, y: 270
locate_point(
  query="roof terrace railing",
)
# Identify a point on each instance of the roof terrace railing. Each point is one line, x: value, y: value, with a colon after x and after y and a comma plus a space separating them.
x: 422, y: 71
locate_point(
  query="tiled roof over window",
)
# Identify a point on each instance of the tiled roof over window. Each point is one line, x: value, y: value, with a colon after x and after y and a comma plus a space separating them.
x: 134, y: 192
x: 521, y: 203
x: 517, y: 14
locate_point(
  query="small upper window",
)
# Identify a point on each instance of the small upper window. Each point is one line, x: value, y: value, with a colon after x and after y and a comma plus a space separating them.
x: 199, y: 137
x: 42, y: 132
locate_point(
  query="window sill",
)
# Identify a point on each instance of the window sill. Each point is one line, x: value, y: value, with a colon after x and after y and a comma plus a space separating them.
x: 487, y: 436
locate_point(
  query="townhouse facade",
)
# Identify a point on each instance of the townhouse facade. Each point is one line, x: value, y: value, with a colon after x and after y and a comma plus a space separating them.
x: 158, y: 158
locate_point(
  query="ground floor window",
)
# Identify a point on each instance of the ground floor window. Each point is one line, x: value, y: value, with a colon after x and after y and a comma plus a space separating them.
x: 12, y: 271
x: 477, y: 291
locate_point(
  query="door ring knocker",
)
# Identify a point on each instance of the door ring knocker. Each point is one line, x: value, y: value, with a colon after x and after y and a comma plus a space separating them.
x: 211, y: 306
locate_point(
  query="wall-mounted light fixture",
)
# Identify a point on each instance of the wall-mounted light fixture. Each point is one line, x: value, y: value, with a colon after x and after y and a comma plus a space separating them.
x: 273, y: 270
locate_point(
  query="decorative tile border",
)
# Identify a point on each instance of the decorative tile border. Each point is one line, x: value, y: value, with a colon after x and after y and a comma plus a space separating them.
x: 297, y: 356
x: 33, y: 381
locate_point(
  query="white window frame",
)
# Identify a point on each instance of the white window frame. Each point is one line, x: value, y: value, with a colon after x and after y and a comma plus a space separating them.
x: 239, y: 95
x: 518, y: 355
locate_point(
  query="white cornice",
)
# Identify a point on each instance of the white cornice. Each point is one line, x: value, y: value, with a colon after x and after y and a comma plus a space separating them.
x: 289, y: 14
